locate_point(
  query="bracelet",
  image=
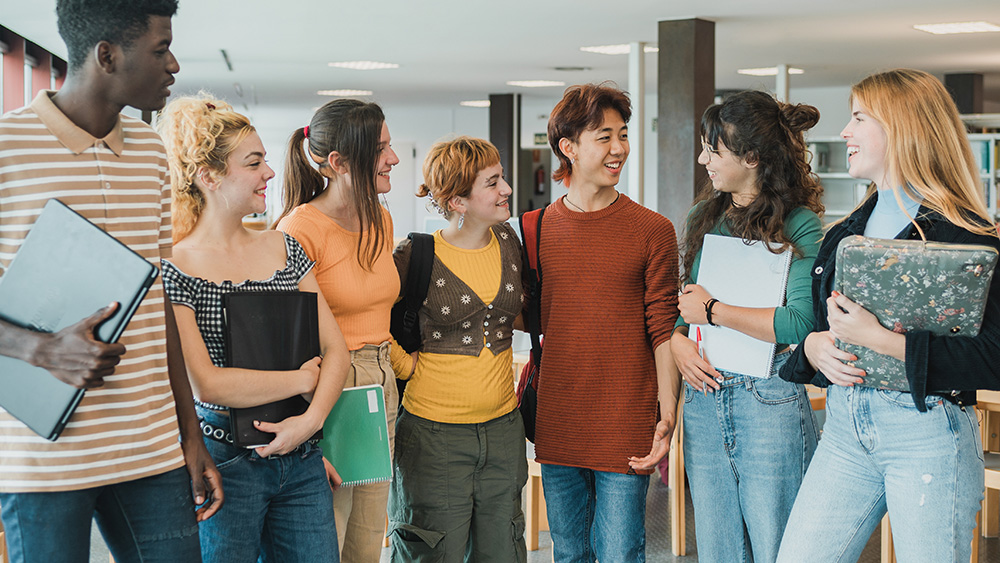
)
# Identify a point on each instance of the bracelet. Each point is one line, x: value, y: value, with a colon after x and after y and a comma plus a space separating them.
x: 708, y: 310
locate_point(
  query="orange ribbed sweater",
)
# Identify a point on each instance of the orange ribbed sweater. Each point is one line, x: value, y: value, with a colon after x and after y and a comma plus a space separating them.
x: 609, y: 297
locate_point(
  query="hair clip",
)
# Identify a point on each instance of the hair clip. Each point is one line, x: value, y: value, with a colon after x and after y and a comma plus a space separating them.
x: 305, y: 131
x: 210, y: 105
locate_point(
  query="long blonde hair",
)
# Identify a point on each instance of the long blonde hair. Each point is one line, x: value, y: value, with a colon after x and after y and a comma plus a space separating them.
x: 926, y: 145
x: 199, y: 132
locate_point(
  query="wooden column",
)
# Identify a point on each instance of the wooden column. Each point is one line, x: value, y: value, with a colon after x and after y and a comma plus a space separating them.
x: 685, y: 88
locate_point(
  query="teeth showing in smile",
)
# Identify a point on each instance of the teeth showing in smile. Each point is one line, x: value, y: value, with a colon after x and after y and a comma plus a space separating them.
x: 852, y: 150
x: 384, y: 174
x: 614, y: 165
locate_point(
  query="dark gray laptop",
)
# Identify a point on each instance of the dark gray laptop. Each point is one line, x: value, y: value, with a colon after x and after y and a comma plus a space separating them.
x: 66, y: 269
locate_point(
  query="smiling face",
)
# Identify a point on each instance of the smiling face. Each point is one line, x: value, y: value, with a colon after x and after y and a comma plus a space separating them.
x: 728, y: 172
x: 146, y: 67
x: 244, y: 187
x: 866, y: 146
x: 489, y: 201
x: 599, y: 153
x: 386, y: 160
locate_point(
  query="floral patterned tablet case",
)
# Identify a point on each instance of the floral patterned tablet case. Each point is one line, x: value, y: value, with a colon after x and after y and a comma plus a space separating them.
x: 912, y: 285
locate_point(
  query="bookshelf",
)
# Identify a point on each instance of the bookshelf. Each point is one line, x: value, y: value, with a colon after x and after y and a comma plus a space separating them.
x: 842, y: 192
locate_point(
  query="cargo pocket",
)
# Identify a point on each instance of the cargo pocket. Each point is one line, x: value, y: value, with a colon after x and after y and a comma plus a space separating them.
x: 410, y: 543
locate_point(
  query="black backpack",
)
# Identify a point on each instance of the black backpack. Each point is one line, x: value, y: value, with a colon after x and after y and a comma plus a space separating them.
x: 404, y: 323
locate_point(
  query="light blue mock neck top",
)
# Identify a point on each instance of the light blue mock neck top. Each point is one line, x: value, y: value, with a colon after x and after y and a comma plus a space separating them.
x: 888, y: 219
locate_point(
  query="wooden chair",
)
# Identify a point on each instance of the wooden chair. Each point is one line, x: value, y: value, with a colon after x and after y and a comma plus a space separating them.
x: 676, y: 476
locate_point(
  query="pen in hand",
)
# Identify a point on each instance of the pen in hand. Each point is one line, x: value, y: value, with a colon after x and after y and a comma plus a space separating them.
x: 701, y: 354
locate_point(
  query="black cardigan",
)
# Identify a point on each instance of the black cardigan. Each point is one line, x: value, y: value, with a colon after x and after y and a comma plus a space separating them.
x: 951, y: 366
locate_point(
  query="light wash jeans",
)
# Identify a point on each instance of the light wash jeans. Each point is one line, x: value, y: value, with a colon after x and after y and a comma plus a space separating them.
x: 595, y: 514
x: 878, y: 451
x: 746, y: 449
x: 278, y: 509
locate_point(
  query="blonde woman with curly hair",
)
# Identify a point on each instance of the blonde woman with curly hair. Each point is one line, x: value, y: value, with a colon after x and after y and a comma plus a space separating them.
x: 915, y: 454
x: 459, y: 463
x: 278, y: 500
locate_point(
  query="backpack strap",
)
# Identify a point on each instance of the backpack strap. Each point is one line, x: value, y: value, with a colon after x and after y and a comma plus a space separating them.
x: 531, y: 230
x: 418, y: 280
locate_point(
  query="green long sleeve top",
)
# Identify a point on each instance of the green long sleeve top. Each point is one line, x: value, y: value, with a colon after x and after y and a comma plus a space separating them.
x: 794, y: 320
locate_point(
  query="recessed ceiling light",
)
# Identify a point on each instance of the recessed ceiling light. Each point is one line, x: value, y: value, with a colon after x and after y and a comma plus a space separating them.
x: 343, y: 93
x: 475, y: 103
x: 959, y: 27
x: 364, y: 65
x: 622, y: 49
x: 535, y: 83
x: 768, y: 71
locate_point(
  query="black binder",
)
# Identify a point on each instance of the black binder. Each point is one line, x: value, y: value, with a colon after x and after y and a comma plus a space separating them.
x: 66, y: 269
x: 269, y: 330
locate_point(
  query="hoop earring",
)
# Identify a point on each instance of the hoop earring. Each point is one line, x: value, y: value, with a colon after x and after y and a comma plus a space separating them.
x: 461, y: 220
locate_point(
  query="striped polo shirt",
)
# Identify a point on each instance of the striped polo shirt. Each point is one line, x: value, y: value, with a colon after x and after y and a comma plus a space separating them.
x: 127, y: 428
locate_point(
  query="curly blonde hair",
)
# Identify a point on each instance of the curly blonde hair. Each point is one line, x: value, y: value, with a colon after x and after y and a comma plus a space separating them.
x: 199, y: 132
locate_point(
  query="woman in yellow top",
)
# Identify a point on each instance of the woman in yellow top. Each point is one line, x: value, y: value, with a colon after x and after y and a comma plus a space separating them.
x: 459, y: 464
x: 335, y: 170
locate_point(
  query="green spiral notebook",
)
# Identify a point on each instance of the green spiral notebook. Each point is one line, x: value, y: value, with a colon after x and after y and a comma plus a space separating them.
x: 356, y: 436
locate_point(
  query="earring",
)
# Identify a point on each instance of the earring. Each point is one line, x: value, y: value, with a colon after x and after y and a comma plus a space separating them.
x: 461, y: 220
x: 572, y: 161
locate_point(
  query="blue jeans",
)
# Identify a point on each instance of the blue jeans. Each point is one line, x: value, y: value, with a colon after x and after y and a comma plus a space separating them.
x: 595, y: 514
x: 880, y: 453
x: 278, y: 508
x: 149, y: 520
x: 746, y: 449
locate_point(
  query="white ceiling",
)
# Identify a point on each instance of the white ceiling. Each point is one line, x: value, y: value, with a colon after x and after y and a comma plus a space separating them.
x: 452, y: 50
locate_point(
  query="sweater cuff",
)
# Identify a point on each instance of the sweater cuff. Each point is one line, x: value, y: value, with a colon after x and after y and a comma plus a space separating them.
x: 917, y: 347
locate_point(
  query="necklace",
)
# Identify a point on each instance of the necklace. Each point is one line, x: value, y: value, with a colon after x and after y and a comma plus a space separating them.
x: 617, y: 195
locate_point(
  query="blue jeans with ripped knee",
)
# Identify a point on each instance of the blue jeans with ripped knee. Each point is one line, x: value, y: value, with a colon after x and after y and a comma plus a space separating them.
x: 878, y: 454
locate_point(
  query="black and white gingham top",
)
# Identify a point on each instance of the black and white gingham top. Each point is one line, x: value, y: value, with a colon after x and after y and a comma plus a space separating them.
x: 205, y: 297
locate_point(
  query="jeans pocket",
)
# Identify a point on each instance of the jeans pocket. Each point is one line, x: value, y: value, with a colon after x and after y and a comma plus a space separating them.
x: 688, y: 392
x: 410, y: 543
x: 774, y: 390
x: 225, y: 455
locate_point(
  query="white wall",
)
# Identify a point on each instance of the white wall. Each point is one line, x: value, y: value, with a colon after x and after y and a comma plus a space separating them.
x: 416, y: 128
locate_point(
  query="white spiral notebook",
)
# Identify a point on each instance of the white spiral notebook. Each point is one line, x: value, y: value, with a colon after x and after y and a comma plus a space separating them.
x: 744, y: 274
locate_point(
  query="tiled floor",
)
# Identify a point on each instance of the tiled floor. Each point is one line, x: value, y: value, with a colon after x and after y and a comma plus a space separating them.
x: 657, y: 537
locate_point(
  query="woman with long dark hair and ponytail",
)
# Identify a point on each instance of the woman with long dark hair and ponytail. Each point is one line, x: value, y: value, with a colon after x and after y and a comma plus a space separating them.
x: 748, y: 440
x: 335, y: 170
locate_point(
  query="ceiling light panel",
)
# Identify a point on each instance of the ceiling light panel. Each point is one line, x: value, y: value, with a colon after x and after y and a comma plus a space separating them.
x: 535, y: 83
x: 960, y: 27
x: 345, y: 93
x: 475, y: 103
x: 767, y: 71
x: 364, y: 65
x: 622, y: 49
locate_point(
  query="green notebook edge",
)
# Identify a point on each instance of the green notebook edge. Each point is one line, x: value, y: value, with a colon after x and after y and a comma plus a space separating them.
x: 356, y: 436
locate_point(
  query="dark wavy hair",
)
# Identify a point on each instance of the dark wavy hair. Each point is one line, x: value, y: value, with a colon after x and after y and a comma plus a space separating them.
x: 581, y: 109
x: 85, y: 23
x: 352, y: 128
x: 757, y: 128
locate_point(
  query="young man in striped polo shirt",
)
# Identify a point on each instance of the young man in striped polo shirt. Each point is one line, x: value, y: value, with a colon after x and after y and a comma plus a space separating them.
x: 132, y: 454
